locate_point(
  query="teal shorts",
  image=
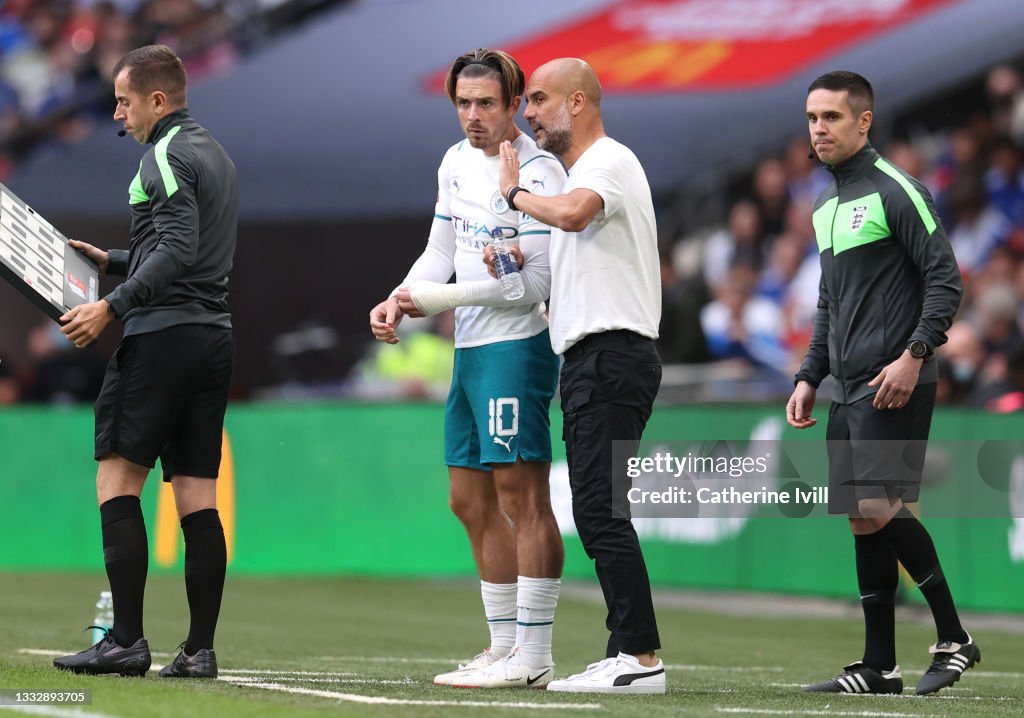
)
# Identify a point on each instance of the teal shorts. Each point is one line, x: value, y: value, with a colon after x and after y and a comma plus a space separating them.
x: 498, y: 405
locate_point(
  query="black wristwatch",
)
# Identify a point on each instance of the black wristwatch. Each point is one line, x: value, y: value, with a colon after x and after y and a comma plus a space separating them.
x: 919, y: 349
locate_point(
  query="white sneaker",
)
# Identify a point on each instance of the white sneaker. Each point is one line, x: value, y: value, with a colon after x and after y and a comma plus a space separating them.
x: 506, y: 673
x: 481, y: 660
x: 622, y: 674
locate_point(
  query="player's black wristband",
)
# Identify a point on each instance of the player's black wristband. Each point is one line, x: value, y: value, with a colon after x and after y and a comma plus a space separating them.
x: 512, y: 195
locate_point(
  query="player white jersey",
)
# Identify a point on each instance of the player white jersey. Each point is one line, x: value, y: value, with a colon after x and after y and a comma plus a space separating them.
x: 470, y: 211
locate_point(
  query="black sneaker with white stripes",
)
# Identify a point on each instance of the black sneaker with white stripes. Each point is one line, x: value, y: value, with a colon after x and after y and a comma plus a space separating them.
x: 858, y: 678
x: 949, y: 661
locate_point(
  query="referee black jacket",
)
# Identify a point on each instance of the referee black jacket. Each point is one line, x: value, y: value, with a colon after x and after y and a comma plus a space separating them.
x: 184, y: 205
x: 888, y: 276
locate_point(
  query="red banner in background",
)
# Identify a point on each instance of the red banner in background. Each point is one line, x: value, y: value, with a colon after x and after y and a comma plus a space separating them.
x: 677, y: 45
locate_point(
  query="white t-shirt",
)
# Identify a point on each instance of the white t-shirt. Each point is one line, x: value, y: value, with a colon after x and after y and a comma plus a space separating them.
x: 607, y: 277
x: 469, y: 210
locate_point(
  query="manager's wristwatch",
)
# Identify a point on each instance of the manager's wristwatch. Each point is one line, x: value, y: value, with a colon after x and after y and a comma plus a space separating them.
x: 919, y: 349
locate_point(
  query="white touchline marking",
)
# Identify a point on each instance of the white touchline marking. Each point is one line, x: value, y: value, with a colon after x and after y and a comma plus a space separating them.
x: 685, y: 667
x: 55, y: 711
x: 267, y: 672
x: 244, y: 680
x: 400, y: 659
x: 996, y: 674
x: 669, y: 666
x: 281, y: 675
x: 50, y: 652
x: 866, y: 714
x: 390, y: 659
x: 973, y: 672
x: 973, y: 698
x: 702, y: 691
x: 346, y: 681
x: 249, y: 676
x: 380, y: 700
x: 914, y: 697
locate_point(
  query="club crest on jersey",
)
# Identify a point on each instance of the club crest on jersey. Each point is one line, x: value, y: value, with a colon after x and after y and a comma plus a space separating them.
x: 857, y: 220
x: 499, y: 205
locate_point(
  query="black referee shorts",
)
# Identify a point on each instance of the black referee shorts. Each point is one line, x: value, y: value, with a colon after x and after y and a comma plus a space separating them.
x: 876, y: 454
x: 164, y: 396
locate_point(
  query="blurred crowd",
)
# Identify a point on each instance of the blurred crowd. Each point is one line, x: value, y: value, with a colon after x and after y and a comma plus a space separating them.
x: 738, y: 298
x: 746, y: 292
x: 56, y: 57
x: 56, y: 373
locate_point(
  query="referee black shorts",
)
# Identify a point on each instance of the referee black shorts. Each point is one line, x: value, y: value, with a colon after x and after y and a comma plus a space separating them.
x: 164, y: 396
x: 877, y: 454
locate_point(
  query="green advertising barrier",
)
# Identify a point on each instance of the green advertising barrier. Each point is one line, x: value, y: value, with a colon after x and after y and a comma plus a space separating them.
x: 362, y: 489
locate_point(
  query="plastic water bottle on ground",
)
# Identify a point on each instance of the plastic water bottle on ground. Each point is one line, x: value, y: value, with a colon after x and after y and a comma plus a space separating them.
x: 506, y: 267
x: 104, y: 616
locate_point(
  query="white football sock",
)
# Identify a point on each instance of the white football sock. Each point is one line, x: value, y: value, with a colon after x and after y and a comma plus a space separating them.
x: 536, y: 601
x: 500, y: 611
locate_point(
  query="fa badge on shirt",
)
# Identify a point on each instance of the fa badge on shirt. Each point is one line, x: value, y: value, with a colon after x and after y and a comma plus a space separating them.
x: 857, y: 220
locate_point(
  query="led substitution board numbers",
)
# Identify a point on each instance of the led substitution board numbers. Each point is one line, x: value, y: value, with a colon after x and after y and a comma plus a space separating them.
x: 37, y: 260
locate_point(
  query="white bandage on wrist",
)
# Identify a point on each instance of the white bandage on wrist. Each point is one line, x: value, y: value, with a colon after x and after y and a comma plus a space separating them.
x: 433, y: 298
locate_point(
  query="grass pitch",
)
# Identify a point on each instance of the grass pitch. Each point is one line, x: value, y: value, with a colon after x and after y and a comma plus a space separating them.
x: 319, y: 647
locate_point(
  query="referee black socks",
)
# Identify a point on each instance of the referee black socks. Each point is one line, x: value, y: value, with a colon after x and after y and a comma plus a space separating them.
x: 916, y: 551
x: 205, y: 566
x: 877, y: 577
x: 126, y: 555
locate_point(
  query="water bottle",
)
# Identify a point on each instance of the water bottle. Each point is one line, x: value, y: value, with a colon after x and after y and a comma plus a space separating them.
x: 506, y: 267
x: 104, y: 616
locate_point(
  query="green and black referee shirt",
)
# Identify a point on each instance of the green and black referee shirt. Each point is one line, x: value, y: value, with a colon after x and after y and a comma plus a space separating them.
x: 888, y: 275
x: 184, y: 205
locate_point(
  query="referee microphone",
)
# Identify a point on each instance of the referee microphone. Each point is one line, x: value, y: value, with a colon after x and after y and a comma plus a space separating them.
x: 810, y: 150
x: 122, y: 133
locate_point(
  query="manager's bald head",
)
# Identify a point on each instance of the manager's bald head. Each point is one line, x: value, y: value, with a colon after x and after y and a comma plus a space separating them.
x: 564, y: 107
x: 569, y: 75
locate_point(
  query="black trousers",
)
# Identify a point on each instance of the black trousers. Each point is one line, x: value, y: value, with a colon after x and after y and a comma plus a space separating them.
x: 608, y: 384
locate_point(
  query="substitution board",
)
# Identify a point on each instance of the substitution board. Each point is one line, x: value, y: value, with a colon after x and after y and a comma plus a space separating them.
x: 37, y: 260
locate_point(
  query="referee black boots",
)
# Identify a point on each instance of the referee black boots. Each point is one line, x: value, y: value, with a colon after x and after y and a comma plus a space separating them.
x: 201, y: 665
x: 109, y: 657
x: 949, y: 661
x: 858, y: 678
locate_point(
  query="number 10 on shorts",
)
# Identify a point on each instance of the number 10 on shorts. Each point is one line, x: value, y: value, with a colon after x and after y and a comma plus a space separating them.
x: 496, y: 409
